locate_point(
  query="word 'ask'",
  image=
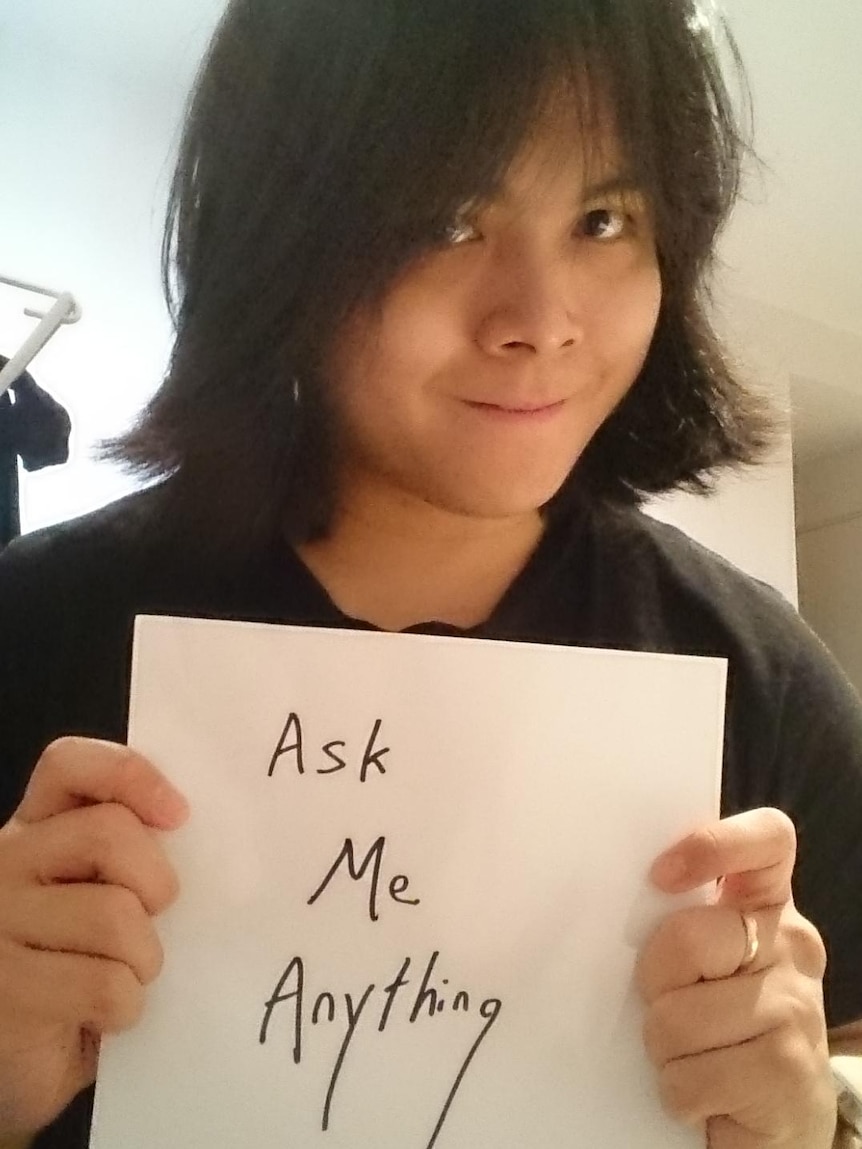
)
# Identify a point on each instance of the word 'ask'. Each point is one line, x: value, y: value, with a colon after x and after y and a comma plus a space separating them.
x: 292, y: 742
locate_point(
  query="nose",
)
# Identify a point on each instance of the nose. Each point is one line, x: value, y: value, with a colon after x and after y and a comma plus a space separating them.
x: 534, y: 310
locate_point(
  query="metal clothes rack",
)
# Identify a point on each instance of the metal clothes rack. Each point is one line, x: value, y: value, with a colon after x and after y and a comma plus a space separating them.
x: 65, y: 310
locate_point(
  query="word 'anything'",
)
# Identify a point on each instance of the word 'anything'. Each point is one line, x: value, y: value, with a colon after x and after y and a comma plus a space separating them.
x: 291, y: 994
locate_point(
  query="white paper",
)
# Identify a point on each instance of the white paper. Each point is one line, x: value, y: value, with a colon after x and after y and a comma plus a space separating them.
x: 526, y: 791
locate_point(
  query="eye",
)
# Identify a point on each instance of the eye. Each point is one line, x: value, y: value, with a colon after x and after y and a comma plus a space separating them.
x: 605, y: 223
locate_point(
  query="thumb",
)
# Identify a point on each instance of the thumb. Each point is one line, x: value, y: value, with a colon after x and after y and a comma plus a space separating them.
x: 750, y: 855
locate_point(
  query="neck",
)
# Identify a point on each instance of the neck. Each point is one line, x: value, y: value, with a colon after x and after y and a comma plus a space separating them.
x: 397, y: 563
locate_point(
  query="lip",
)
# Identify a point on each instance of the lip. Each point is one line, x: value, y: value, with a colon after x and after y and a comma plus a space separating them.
x: 524, y: 411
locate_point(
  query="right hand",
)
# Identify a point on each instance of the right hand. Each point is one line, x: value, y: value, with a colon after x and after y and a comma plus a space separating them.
x: 81, y: 877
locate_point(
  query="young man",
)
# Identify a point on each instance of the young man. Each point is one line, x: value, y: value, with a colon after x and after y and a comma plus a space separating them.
x: 439, y: 331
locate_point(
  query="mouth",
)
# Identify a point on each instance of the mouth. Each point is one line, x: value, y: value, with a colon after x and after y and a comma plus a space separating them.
x: 520, y: 411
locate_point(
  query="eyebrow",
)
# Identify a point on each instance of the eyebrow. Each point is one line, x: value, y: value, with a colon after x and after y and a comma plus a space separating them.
x: 624, y: 182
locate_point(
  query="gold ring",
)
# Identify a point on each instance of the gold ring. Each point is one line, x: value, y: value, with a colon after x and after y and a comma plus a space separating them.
x: 752, y: 941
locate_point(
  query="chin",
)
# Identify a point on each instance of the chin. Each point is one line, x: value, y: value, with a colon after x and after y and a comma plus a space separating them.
x: 514, y: 501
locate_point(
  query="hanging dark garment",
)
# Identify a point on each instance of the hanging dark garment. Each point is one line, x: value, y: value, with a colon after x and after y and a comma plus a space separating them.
x: 10, y: 523
x: 35, y: 428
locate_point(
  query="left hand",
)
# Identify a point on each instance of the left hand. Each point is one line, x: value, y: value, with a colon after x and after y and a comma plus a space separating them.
x: 741, y: 1052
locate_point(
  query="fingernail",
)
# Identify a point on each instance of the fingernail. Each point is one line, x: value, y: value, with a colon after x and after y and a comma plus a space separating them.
x: 669, y: 870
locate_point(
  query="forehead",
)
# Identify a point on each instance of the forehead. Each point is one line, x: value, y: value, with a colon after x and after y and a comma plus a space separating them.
x: 573, y: 144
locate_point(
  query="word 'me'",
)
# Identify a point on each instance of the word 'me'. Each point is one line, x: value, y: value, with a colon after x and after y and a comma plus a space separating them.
x: 397, y: 886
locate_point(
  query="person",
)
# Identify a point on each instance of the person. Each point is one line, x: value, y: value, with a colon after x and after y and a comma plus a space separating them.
x: 439, y: 274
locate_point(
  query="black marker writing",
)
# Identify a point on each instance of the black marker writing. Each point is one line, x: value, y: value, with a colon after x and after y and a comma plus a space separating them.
x: 489, y: 1009
x: 296, y: 967
x: 292, y: 727
x: 291, y: 992
x: 397, y: 885
x: 291, y: 741
x: 371, y: 755
x: 426, y: 1002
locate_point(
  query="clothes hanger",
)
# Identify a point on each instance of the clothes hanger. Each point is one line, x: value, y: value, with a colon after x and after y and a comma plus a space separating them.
x: 65, y: 310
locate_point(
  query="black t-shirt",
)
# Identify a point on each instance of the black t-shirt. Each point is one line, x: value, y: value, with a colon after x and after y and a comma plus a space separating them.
x: 599, y: 578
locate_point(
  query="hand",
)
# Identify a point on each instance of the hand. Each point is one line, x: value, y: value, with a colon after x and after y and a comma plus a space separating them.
x: 81, y: 876
x: 740, y: 1051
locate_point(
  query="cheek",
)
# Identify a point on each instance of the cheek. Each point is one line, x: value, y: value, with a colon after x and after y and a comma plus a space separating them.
x: 420, y: 331
x: 383, y: 373
x: 624, y: 322
x: 412, y: 325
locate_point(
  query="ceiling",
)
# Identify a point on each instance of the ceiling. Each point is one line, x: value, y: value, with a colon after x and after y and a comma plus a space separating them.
x: 795, y: 244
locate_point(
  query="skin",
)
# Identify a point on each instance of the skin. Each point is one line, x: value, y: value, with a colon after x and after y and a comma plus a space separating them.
x: 82, y: 879
x: 438, y: 495
x: 551, y: 296
x: 749, y: 1044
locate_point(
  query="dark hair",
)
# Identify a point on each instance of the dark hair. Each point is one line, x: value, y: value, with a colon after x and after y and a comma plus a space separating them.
x: 328, y: 143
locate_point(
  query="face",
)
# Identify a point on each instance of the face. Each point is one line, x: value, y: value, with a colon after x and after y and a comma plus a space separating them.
x: 501, y: 352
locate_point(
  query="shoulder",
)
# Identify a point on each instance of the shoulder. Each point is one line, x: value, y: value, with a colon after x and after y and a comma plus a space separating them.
x: 63, y: 587
x: 695, y: 568
x: 687, y: 597
x: 65, y: 593
x: 83, y: 558
x: 122, y: 526
x: 755, y: 615
x: 787, y: 696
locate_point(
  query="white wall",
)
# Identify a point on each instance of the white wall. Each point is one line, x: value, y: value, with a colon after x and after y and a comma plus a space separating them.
x: 829, y: 509
x: 750, y: 519
x: 85, y: 166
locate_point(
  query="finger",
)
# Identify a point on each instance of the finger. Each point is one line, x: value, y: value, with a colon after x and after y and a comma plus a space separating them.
x: 75, y: 772
x: 38, y: 987
x: 97, y: 921
x: 721, y: 1014
x: 761, y: 1086
x: 99, y: 844
x: 754, y: 852
x: 701, y: 943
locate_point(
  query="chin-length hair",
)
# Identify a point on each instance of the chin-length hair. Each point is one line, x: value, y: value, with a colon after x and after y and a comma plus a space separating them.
x: 328, y: 144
